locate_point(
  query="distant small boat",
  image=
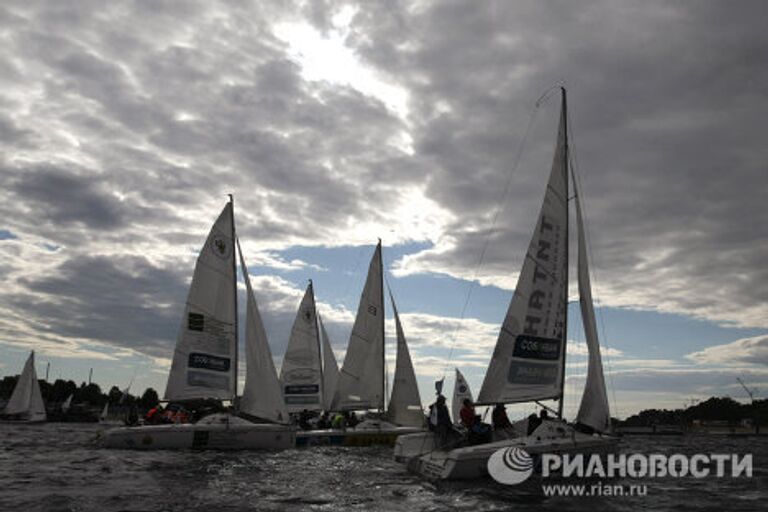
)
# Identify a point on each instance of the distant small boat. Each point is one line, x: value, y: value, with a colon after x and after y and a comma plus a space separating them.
x: 461, y: 392
x: 26, y: 402
x: 205, y: 362
x: 361, y: 382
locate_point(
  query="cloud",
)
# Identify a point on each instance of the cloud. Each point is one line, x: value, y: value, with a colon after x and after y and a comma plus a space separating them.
x: 752, y: 350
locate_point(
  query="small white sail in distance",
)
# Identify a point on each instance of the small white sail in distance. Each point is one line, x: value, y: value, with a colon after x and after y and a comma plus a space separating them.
x: 361, y: 380
x: 204, y: 361
x: 405, y: 403
x: 301, y: 373
x: 461, y: 392
x: 67, y: 403
x: 26, y: 399
x: 262, y: 397
x: 330, y: 368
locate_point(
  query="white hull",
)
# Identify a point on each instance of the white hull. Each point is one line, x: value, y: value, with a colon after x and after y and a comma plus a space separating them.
x: 469, y: 462
x: 229, y: 433
x: 366, y: 433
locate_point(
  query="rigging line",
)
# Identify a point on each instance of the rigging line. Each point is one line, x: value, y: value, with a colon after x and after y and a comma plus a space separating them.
x: 499, y: 208
x: 577, y: 183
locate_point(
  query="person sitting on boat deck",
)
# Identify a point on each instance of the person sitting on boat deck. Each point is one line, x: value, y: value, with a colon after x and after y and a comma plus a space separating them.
x: 440, y: 420
x: 499, y: 418
x: 339, y: 421
x: 351, y: 419
x: 467, y: 414
x: 304, y: 420
x: 324, y: 421
x: 533, y: 423
x: 154, y: 415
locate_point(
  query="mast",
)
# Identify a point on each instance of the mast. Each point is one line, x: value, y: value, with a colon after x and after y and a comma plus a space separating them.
x: 567, y: 250
x: 383, y: 338
x: 234, y: 291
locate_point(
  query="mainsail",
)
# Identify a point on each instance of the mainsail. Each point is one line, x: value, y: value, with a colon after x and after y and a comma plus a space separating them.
x: 301, y: 373
x: 261, y: 394
x: 26, y: 400
x: 330, y: 368
x: 361, y: 380
x: 404, y: 404
x: 205, y: 360
x: 527, y: 363
x: 461, y: 392
x: 593, y: 410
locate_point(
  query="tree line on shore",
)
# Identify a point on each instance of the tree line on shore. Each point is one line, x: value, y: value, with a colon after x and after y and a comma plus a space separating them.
x: 88, y: 394
x: 721, y: 409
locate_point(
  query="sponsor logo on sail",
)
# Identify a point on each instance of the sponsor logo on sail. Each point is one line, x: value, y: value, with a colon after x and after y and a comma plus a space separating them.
x: 510, y: 466
x: 220, y: 246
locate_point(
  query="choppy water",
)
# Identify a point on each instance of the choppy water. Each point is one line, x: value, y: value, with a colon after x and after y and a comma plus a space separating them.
x: 61, y: 467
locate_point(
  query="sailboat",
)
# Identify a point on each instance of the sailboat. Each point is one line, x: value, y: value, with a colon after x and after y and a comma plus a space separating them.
x: 528, y: 363
x: 26, y: 402
x: 205, y: 362
x: 301, y: 374
x: 361, y: 384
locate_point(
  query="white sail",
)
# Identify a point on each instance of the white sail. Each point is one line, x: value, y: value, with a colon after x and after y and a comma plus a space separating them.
x: 104, y: 412
x: 527, y: 363
x: 330, y: 369
x: 461, y: 392
x: 405, y: 403
x: 361, y: 380
x: 205, y: 360
x: 261, y: 395
x: 26, y: 399
x: 593, y: 410
x: 67, y: 403
x: 301, y: 373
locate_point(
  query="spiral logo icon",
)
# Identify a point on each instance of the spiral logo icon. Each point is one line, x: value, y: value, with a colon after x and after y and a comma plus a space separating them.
x: 510, y: 466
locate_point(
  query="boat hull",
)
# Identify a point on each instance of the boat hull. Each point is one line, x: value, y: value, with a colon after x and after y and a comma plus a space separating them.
x: 223, y: 435
x: 471, y: 462
x: 363, y: 435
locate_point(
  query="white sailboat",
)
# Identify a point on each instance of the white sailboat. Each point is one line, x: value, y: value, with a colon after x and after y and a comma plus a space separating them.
x: 205, y: 362
x: 301, y: 374
x: 26, y: 402
x: 461, y: 392
x: 361, y: 382
x: 528, y: 363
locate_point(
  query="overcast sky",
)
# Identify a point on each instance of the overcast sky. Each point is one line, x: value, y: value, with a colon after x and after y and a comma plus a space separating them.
x: 123, y: 125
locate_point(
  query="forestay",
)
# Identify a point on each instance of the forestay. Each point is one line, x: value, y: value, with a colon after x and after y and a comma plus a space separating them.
x: 527, y: 361
x: 404, y: 404
x: 301, y: 374
x: 361, y: 380
x: 261, y: 395
x: 204, y: 362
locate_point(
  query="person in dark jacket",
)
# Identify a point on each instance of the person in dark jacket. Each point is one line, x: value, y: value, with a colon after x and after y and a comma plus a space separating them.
x: 500, y: 418
x: 440, y: 420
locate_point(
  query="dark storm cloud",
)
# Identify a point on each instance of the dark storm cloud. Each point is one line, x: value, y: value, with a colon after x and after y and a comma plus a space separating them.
x: 63, y: 198
x: 123, y: 301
